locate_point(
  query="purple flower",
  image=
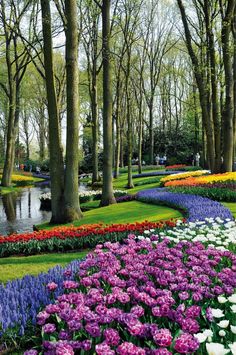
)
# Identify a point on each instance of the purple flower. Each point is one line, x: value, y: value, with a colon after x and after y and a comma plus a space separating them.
x: 52, y: 286
x: 42, y: 317
x: 186, y: 343
x: 137, y: 310
x: 104, y: 349
x: 163, y: 337
x: 31, y: 352
x: 127, y: 348
x: 209, y: 314
x: 183, y: 295
x: 49, y: 328
x: 190, y: 325
x: 93, y: 329
x: 111, y: 336
x: 70, y: 285
x: 64, y: 349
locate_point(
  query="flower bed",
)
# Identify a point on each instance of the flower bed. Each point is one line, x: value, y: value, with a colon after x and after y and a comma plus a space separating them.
x: 181, y: 175
x: 21, y: 299
x: 22, y: 180
x: 125, y: 198
x: 215, y: 233
x: 196, y: 207
x: 71, y: 238
x: 155, y: 173
x: 183, y: 167
x: 175, y: 166
x: 84, y: 196
x: 196, y: 181
x: 215, y: 193
x: 142, y: 297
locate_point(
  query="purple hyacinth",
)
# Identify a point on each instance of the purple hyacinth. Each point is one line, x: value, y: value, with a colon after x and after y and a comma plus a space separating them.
x: 198, y: 208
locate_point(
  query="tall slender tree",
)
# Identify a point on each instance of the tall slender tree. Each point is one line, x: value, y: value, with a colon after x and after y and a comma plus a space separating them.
x: 107, y: 186
x: 72, y: 208
x: 55, y: 149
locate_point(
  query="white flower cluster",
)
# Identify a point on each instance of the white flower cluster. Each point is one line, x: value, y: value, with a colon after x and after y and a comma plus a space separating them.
x: 215, y: 233
x: 90, y: 193
x: 223, y: 327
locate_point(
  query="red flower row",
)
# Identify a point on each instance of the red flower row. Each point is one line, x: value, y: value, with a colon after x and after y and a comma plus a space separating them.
x: 85, y: 230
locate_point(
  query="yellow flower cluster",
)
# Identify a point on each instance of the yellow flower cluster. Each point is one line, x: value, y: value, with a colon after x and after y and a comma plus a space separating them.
x: 201, y: 180
x: 16, y: 178
x: 210, y: 179
x: 184, y: 175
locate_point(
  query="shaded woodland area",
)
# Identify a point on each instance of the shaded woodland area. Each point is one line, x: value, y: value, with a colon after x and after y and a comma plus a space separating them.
x: 96, y: 84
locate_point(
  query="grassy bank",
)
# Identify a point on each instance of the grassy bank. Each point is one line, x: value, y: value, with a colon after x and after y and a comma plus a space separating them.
x: 127, y: 212
x: 17, y: 267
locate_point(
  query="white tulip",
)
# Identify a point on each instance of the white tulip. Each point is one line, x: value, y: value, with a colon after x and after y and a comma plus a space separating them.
x: 208, y: 332
x: 201, y: 337
x: 233, y: 308
x: 223, y: 324
x: 232, y: 298
x: 216, y: 349
x: 217, y: 313
x: 233, y: 348
x: 233, y: 329
x: 222, y: 299
x: 222, y: 333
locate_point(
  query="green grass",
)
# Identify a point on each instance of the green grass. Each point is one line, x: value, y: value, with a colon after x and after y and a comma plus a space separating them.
x: 7, y: 190
x: 17, y: 267
x: 121, y: 182
x: 231, y: 206
x: 127, y: 212
x: 90, y: 204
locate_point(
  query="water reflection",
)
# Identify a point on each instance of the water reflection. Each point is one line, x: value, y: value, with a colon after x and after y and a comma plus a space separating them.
x: 9, y: 205
x: 19, y: 212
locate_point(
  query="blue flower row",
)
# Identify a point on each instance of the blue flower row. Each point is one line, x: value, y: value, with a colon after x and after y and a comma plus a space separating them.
x: 197, y: 207
x: 156, y: 173
x: 21, y: 299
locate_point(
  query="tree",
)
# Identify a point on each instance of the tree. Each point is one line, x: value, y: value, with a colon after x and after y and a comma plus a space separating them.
x: 17, y: 59
x: 107, y: 186
x: 55, y: 149
x: 228, y: 126
x: 72, y: 208
x: 90, y: 38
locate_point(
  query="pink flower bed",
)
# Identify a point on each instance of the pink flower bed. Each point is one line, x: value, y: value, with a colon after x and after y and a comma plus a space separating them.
x: 138, y: 297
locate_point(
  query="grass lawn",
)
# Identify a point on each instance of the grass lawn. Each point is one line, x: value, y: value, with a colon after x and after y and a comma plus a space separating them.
x: 7, y: 190
x: 231, y: 206
x: 17, y: 267
x: 121, y: 182
x: 127, y: 212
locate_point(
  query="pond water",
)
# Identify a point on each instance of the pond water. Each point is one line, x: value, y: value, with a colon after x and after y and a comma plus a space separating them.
x: 19, y: 212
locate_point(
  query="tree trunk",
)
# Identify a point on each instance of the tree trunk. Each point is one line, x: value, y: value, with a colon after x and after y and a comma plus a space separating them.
x: 95, y: 175
x: 214, y: 87
x: 151, y: 133
x: 203, y: 90
x: 234, y: 73
x: 10, y: 149
x: 140, y: 138
x: 118, y: 130
x: 229, y: 86
x: 121, y: 148
x: 41, y: 135
x: 56, y: 159
x: 107, y: 187
x: 130, y: 184
x: 72, y: 207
